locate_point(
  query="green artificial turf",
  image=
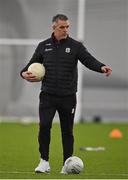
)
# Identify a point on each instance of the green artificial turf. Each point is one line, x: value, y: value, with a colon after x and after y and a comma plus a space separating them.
x: 19, y: 152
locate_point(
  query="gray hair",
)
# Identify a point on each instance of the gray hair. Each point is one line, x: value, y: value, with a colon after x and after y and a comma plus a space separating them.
x: 59, y: 17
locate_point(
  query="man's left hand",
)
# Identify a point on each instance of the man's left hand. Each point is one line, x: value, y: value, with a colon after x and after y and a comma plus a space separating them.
x: 107, y: 70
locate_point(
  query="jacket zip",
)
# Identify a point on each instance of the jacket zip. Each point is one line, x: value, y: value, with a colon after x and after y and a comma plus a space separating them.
x: 57, y: 47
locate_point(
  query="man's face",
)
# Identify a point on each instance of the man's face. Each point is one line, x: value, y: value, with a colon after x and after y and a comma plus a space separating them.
x: 61, y: 29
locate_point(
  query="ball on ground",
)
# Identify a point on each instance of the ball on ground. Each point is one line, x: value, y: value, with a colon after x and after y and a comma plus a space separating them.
x: 74, y: 165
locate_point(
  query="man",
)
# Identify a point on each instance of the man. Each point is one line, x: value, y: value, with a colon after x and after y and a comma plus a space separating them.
x: 59, y: 54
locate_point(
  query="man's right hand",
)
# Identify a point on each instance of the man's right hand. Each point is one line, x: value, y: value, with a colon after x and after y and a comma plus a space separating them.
x: 29, y: 76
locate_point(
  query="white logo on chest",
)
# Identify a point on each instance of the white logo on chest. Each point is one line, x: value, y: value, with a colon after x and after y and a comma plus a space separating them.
x: 67, y: 50
x: 48, y: 49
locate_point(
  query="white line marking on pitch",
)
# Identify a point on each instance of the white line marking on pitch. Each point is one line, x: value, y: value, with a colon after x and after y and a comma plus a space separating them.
x: 103, y: 174
x: 30, y: 172
x: 16, y: 172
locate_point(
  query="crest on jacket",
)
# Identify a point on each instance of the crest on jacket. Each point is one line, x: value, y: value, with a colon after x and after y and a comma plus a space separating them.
x: 67, y: 50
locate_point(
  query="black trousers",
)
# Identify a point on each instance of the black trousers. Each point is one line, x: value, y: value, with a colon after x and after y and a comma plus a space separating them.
x: 65, y: 106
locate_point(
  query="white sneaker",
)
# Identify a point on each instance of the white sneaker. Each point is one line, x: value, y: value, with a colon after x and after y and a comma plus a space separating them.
x: 43, y: 167
x: 63, y: 170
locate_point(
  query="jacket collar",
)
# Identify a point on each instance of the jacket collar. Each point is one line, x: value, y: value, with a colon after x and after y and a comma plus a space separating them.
x: 56, y: 41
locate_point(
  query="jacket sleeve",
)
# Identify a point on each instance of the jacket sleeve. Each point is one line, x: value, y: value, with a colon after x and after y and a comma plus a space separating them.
x: 88, y: 60
x: 37, y: 57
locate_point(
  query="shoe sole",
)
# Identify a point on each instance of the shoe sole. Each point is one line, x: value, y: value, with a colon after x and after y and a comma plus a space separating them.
x: 63, y: 173
x: 47, y: 172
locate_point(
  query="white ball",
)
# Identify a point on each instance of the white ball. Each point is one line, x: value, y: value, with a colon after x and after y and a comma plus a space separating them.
x: 37, y: 70
x: 74, y: 165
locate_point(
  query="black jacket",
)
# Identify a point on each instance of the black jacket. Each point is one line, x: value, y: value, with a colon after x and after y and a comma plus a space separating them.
x: 60, y: 60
